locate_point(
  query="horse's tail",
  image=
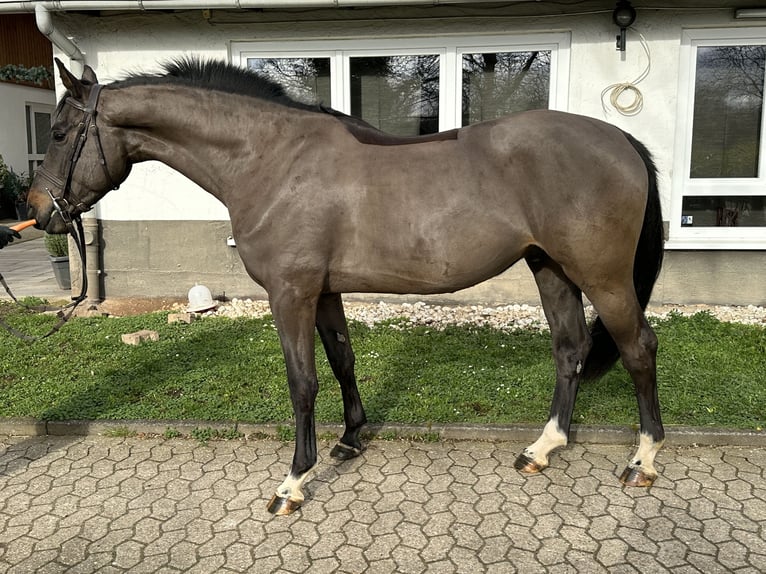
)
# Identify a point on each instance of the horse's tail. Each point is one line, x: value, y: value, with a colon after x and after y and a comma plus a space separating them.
x: 646, y: 269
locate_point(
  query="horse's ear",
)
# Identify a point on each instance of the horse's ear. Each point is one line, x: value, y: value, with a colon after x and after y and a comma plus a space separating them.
x: 71, y: 83
x: 89, y: 76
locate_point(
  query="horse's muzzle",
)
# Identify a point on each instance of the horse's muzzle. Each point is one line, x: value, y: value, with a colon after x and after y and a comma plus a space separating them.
x: 40, y: 207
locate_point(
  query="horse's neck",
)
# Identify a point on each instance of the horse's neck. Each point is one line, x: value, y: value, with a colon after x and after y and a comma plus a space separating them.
x: 201, y: 134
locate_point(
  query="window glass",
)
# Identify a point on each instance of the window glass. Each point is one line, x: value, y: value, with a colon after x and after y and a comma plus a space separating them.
x: 305, y: 80
x: 499, y: 83
x: 42, y: 131
x: 396, y: 94
x: 27, y: 110
x: 728, y: 104
x: 724, y: 211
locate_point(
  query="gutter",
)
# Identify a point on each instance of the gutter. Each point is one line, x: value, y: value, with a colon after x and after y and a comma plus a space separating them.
x: 146, y: 5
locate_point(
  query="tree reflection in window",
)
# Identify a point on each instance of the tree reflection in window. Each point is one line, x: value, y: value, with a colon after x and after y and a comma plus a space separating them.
x: 724, y: 211
x: 397, y: 94
x: 728, y: 103
x: 306, y: 80
x: 497, y: 84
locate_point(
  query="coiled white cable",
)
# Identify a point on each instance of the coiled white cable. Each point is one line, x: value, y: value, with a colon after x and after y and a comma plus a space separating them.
x: 615, y: 91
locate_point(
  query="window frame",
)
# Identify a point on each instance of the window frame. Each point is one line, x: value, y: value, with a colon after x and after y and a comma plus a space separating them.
x: 683, y: 185
x: 450, y: 48
x: 30, y: 109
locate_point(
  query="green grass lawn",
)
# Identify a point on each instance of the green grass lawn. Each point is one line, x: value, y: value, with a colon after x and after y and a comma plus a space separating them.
x: 217, y: 369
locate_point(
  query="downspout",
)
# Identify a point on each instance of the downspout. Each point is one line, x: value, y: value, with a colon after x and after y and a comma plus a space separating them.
x: 89, y: 220
x: 45, y: 25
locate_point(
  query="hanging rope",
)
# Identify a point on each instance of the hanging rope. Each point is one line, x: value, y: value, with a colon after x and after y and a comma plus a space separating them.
x: 615, y: 91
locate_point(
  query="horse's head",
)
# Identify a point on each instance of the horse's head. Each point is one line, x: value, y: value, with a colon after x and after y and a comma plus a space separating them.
x: 85, y: 158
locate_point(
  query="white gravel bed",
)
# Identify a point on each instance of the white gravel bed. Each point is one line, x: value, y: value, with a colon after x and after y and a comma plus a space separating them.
x: 506, y: 317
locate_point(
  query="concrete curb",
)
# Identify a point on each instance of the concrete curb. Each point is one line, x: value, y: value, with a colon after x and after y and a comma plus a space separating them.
x: 675, y: 435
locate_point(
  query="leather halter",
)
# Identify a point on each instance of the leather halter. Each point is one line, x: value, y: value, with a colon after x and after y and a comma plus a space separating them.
x: 67, y: 199
x: 62, y: 205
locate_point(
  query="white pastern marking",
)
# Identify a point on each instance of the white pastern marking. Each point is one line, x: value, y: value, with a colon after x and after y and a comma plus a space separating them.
x: 292, y: 487
x: 552, y: 438
x: 647, y: 450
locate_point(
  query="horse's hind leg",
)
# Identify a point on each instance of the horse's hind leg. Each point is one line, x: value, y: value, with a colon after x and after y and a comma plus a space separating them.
x: 333, y: 330
x: 637, y: 343
x: 562, y: 303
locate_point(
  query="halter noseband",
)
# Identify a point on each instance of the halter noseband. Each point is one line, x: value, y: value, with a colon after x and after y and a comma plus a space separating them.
x: 87, y: 124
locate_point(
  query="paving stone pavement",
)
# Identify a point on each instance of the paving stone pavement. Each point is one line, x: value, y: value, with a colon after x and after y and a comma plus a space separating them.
x: 99, y: 504
x: 27, y: 269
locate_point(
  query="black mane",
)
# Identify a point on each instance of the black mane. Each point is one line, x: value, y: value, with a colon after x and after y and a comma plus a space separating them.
x: 219, y: 76
x: 223, y: 77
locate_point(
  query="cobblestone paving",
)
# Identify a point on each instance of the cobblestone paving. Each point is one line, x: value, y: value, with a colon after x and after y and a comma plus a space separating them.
x: 96, y: 504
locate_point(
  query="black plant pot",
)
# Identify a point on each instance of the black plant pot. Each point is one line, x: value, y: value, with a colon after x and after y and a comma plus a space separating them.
x: 21, y: 211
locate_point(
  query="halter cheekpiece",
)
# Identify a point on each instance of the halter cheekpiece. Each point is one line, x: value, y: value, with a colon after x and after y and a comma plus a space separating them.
x: 87, y: 125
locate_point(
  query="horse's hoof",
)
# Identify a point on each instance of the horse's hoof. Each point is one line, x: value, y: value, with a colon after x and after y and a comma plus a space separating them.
x: 527, y: 465
x: 634, y: 476
x: 344, y: 452
x: 282, y: 506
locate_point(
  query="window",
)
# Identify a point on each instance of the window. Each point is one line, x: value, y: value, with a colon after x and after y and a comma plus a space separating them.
x: 396, y: 94
x: 499, y: 83
x: 38, y: 118
x: 719, y: 200
x: 419, y: 85
x: 306, y: 80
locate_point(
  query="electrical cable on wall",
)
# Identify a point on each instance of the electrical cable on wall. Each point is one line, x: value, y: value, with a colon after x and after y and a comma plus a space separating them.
x: 615, y: 91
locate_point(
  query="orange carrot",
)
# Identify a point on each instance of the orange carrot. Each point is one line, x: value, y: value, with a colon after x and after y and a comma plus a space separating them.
x: 23, y: 225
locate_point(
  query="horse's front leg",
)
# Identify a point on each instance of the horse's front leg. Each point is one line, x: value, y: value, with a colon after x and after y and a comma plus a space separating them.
x: 294, y: 315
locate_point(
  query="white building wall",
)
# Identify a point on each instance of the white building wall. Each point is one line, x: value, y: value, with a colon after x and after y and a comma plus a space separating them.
x: 13, y: 127
x: 116, y: 45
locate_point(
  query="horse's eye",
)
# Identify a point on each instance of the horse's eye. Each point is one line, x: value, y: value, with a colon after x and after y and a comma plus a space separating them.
x: 59, y: 136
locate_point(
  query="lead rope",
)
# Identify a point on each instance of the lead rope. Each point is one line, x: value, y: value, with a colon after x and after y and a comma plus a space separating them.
x: 65, y: 312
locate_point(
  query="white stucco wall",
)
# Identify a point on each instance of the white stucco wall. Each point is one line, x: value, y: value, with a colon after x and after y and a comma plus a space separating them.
x: 117, y: 44
x: 13, y: 128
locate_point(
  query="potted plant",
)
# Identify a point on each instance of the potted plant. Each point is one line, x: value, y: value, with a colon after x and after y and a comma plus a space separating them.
x: 6, y: 201
x: 58, y: 249
x: 21, y: 197
x: 22, y: 184
x: 13, y: 189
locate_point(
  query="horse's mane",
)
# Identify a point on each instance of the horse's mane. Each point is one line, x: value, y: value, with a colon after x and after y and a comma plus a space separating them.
x: 219, y: 76
x: 224, y: 77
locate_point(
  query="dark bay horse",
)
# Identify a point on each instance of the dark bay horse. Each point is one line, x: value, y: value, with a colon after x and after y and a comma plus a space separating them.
x: 323, y: 204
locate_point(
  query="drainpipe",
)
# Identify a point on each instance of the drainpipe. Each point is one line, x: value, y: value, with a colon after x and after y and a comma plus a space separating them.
x: 44, y: 23
x: 89, y: 220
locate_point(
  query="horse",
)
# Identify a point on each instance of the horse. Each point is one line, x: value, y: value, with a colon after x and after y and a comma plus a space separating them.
x: 323, y: 204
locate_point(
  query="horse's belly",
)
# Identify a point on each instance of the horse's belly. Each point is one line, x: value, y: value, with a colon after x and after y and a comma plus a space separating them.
x: 419, y: 271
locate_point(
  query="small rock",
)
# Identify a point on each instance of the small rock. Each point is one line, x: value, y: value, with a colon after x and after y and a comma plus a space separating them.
x: 139, y: 336
x: 181, y: 317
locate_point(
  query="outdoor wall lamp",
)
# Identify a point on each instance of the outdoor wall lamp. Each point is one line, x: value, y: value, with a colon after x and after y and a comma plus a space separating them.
x: 624, y: 15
